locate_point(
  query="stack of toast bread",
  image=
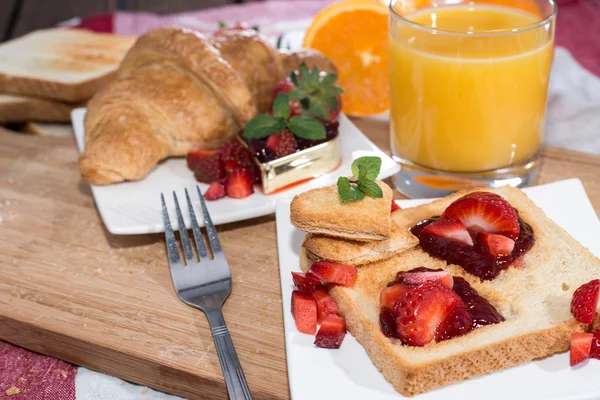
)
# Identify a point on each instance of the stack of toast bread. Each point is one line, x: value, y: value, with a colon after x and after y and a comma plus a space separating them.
x: 46, y: 74
x: 533, y: 294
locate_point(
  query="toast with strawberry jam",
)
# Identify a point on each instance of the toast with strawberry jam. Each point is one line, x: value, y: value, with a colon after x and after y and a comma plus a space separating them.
x: 489, y: 287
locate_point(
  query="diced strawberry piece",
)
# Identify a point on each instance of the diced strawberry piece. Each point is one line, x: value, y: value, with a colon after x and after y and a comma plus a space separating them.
x: 239, y: 183
x: 595, y: 350
x: 231, y: 165
x: 391, y: 296
x: 458, y: 323
x: 581, y: 344
x: 395, y: 207
x: 451, y: 230
x: 331, y: 333
x: 206, y: 165
x: 585, y: 301
x: 325, y: 304
x: 305, y: 283
x: 282, y: 144
x: 312, y: 275
x: 304, y: 310
x: 237, y: 152
x: 215, y: 191
x: 416, y: 278
x: 331, y: 272
x: 421, y: 311
x: 496, y: 245
x: 485, y: 211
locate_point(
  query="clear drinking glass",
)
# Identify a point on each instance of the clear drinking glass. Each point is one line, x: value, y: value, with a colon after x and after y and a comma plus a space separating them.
x: 469, y: 82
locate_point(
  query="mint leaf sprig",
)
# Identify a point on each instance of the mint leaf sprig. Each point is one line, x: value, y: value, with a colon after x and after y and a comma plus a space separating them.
x: 264, y: 125
x: 365, y: 171
x: 316, y: 92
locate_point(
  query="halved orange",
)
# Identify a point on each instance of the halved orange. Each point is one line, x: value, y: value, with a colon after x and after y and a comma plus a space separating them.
x: 353, y: 34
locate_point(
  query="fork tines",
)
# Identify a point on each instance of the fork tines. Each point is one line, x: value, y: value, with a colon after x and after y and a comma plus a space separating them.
x: 213, y: 240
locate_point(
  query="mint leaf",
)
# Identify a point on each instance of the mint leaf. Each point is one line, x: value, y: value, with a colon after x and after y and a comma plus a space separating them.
x: 362, y: 173
x: 222, y: 25
x: 333, y: 103
x: 296, y: 94
x: 262, y: 126
x: 317, y: 108
x: 307, y: 128
x: 281, y: 106
x: 370, y: 187
x: 279, y: 42
x: 372, y: 164
x: 293, y: 77
x: 347, y: 191
x: 329, y: 79
x: 303, y: 71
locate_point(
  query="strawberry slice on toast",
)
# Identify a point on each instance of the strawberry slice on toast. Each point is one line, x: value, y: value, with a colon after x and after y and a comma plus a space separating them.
x: 451, y: 230
x: 485, y: 211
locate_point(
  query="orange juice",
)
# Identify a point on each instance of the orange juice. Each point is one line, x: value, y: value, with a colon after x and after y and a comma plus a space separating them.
x: 465, y: 98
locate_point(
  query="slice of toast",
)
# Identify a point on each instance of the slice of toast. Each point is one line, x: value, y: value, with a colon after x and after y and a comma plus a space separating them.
x: 21, y: 109
x: 68, y: 65
x: 322, y: 211
x: 56, y: 130
x: 534, y: 297
x: 351, y: 252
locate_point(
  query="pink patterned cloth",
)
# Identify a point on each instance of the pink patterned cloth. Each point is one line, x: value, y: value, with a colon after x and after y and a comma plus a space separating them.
x: 34, y: 376
x: 578, y: 30
x: 578, y: 23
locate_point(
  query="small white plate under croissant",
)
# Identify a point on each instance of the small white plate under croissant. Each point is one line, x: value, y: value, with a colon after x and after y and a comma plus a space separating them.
x: 177, y: 91
x: 134, y: 207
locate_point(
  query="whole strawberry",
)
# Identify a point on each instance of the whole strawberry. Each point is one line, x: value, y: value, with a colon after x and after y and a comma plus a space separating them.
x: 282, y: 143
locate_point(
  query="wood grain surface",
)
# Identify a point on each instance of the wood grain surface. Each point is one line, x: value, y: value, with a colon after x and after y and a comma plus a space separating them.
x: 71, y: 290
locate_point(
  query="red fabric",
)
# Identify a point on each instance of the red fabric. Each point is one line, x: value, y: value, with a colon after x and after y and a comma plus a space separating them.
x: 97, y: 23
x: 578, y: 30
x: 38, y: 377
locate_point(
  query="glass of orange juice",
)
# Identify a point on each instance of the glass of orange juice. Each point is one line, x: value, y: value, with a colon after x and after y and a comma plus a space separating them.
x: 468, y: 91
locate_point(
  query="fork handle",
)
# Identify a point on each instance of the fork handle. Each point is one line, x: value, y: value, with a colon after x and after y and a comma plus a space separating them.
x: 237, y: 387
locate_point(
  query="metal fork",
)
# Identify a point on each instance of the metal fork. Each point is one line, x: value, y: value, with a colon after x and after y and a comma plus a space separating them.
x: 205, y: 284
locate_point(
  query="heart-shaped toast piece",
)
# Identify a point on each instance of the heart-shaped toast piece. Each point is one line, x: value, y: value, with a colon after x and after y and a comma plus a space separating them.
x: 322, y: 211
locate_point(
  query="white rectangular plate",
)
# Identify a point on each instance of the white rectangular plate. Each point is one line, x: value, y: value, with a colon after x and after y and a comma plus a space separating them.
x: 134, y: 207
x: 349, y: 374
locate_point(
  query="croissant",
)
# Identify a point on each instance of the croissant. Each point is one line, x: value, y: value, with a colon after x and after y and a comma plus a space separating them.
x: 177, y: 91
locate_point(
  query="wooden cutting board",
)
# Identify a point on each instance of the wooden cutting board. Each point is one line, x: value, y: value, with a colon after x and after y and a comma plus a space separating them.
x: 71, y: 290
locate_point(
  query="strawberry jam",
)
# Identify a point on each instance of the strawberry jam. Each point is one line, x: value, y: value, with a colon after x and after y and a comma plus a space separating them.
x: 474, y: 313
x: 474, y: 259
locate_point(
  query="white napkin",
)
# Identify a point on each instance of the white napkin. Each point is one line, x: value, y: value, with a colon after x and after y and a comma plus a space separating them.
x: 573, y: 119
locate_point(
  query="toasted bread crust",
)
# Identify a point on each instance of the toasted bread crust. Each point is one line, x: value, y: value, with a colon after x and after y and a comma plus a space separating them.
x: 20, y: 109
x: 351, y: 252
x: 321, y: 211
x: 533, y: 296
